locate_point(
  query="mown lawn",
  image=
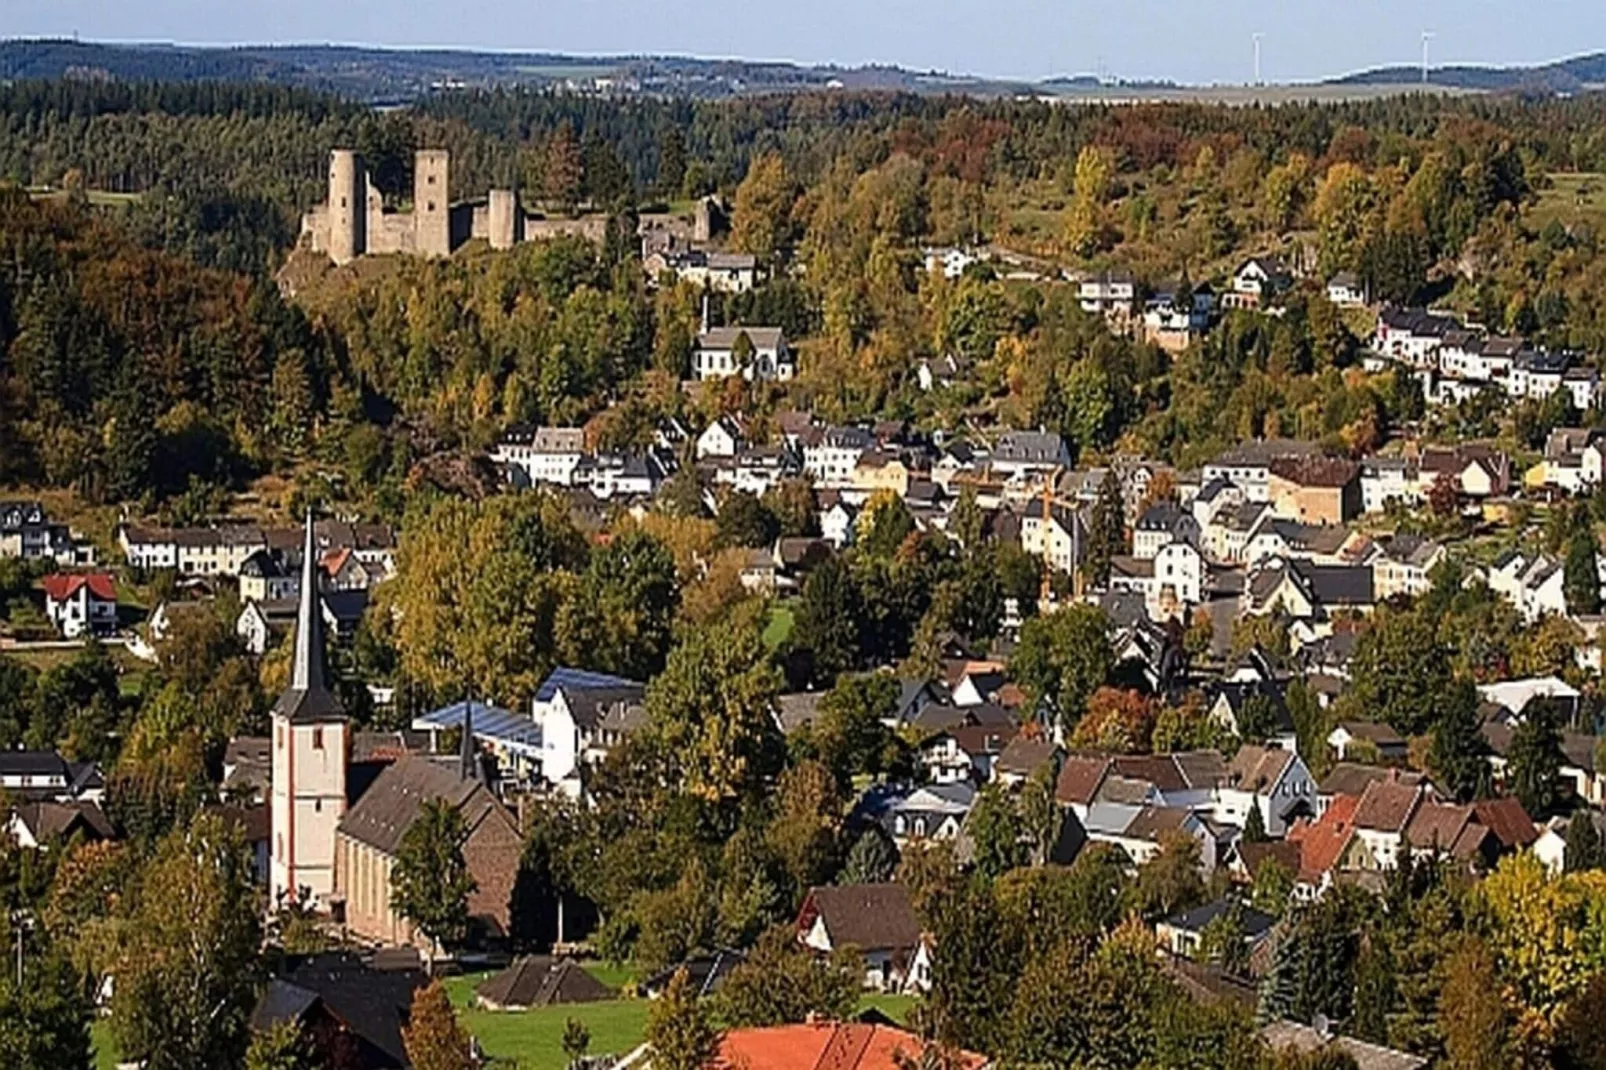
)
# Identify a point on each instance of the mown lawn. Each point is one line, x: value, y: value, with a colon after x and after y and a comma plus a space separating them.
x: 533, y: 1039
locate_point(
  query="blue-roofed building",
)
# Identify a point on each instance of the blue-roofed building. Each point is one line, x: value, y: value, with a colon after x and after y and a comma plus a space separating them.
x: 515, y: 740
x: 580, y: 715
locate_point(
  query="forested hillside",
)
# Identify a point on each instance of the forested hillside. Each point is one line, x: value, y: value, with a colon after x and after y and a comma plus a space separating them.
x: 119, y: 330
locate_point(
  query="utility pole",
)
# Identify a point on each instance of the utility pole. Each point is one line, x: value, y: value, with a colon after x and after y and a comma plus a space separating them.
x: 1257, y: 38
x: 1427, y: 35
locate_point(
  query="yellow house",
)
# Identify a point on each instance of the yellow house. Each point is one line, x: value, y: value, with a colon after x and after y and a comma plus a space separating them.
x: 878, y: 471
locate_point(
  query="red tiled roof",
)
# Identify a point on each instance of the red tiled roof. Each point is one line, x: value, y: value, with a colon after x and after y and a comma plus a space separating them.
x: 63, y: 585
x: 825, y: 1046
x: 1322, y: 844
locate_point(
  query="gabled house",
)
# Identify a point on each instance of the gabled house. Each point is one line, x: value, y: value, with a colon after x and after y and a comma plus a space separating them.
x: 1061, y: 540
x: 1475, y: 471
x: 1160, y: 525
x: 820, y: 1045
x: 1347, y: 290
x: 724, y: 437
x: 1139, y: 831
x: 540, y: 981
x: 1182, y: 933
x: 1248, y: 465
x: 1535, y: 584
x: 567, y: 708
x: 718, y: 354
x: 351, y: 1009
x: 81, y: 604
x: 264, y: 577
x: 1257, y: 282
x: 877, y: 919
x: 1305, y: 591
x: 1270, y: 779
x: 542, y: 454
x: 964, y: 753
x: 1386, y: 743
x: 1019, y: 453
x: 46, y: 825
x: 1171, y: 582
x: 1405, y: 566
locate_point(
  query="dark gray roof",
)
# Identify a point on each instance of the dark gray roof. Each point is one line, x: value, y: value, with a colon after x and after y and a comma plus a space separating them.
x: 384, y: 813
x: 1255, y: 923
x: 308, y: 697
x: 872, y: 917
x: 539, y: 981
x: 371, y: 1003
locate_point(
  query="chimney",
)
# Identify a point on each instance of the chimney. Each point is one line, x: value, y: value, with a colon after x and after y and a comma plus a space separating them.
x: 468, y: 758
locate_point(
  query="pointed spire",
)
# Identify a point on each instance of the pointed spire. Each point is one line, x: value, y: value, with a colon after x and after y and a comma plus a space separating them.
x: 308, y: 696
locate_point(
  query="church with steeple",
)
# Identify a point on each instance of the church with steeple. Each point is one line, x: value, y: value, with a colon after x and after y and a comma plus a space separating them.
x: 311, y: 759
x: 336, y: 835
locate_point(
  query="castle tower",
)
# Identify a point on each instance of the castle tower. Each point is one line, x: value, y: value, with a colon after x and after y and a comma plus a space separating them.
x: 348, y: 209
x: 311, y: 738
x: 502, y: 211
x: 432, y: 207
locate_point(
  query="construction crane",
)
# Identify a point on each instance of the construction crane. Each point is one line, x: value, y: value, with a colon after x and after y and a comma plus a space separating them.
x: 1045, y: 595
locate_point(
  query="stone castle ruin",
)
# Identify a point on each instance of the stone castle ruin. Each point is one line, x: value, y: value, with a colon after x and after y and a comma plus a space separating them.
x: 355, y: 221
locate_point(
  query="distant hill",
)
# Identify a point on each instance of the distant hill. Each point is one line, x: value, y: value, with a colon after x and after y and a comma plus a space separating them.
x: 382, y: 74
x: 1576, y: 75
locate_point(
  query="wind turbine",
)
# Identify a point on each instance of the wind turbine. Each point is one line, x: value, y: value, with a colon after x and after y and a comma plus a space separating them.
x: 1427, y: 35
x: 1257, y: 38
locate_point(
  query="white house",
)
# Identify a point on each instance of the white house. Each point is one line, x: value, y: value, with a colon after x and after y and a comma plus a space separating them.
x: 716, y: 357
x: 1160, y: 525
x: 948, y: 261
x: 542, y: 454
x: 1170, y: 582
x: 1535, y: 585
x: 722, y: 438
x: 567, y: 707
x: 836, y: 524
x: 1346, y: 290
x: 877, y: 920
x: 1110, y: 294
x: 79, y: 604
x: 833, y: 457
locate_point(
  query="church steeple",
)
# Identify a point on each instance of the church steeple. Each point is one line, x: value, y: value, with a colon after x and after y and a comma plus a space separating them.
x: 308, y: 697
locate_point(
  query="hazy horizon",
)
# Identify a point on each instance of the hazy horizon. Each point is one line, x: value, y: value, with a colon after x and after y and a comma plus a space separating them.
x: 1136, y: 39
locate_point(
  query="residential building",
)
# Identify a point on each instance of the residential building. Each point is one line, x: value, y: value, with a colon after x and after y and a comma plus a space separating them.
x: 1257, y: 282
x: 833, y: 456
x: 716, y: 355
x: 1028, y: 453
x: 833, y: 1046
x: 1160, y: 525
x: 724, y: 437
x: 1248, y: 465
x: 1347, y: 290
x: 1060, y: 540
x: 80, y: 604
x: 26, y: 532
x: 568, y: 706
x: 542, y: 454
x: 1405, y: 566
x: 1314, y: 490
x: 1111, y: 294
x: 876, y: 919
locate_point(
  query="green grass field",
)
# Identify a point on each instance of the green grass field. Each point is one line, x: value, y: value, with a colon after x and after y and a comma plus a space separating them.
x: 533, y: 1039
x: 1573, y: 197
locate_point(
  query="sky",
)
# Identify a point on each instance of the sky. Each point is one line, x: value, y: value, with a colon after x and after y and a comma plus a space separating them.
x: 1191, y: 41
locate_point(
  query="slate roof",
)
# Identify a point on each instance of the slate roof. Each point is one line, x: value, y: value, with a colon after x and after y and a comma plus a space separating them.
x: 540, y: 981
x: 1255, y: 923
x: 371, y: 1003
x: 384, y: 813
x: 707, y: 973
x: 872, y: 917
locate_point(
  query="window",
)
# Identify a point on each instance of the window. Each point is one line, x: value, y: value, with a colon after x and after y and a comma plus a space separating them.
x: 431, y: 181
x: 317, y: 737
x: 431, y: 203
x: 279, y: 738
